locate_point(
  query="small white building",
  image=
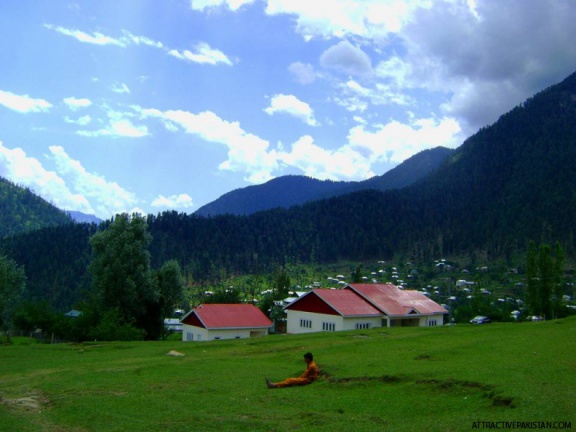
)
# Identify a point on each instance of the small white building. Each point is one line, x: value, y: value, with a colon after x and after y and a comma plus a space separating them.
x: 224, y: 321
x: 362, y: 306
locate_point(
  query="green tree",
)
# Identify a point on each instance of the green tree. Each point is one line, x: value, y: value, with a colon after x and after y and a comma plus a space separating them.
x: 532, y: 278
x: 546, y: 268
x: 558, y: 279
x: 544, y: 271
x: 120, y: 268
x: 170, y: 287
x: 12, y: 284
x: 281, y: 284
x: 357, y: 275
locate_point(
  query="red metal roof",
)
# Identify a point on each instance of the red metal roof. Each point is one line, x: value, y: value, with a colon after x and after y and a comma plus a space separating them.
x: 346, y: 302
x: 212, y: 316
x: 394, y: 301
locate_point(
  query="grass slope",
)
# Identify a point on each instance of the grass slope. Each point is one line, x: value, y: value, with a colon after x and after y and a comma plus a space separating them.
x: 397, y: 379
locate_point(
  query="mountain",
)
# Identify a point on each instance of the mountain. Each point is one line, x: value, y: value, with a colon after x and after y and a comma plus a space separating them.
x: 511, y: 182
x: 83, y: 217
x: 22, y: 211
x: 508, y: 184
x: 288, y: 191
x: 285, y: 191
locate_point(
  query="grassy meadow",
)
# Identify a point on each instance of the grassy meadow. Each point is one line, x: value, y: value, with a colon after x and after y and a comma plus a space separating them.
x: 397, y: 379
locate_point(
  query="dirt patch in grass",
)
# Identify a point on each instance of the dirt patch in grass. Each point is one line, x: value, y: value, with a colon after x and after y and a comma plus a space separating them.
x: 488, y: 390
x: 452, y: 383
x: 384, y: 378
x: 31, y: 402
x: 423, y: 357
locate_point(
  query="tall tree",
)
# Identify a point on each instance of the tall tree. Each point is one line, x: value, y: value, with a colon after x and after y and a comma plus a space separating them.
x: 170, y: 287
x: 558, y: 277
x: 120, y: 267
x: 547, y: 278
x: 12, y: 284
x: 544, y: 271
x: 281, y: 284
x: 532, y: 278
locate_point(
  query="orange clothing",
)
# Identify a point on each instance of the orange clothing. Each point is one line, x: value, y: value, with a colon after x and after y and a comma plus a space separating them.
x: 309, y: 375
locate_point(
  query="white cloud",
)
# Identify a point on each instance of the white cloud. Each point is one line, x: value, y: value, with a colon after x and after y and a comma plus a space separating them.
x: 82, y: 121
x: 355, y: 97
x: 181, y: 201
x: 339, y: 18
x: 119, y: 125
x: 293, y: 106
x: 320, y: 163
x: 207, y: 4
x: 24, y: 103
x: 120, y: 88
x: 21, y: 169
x: 395, y: 142
x: 346, y: 58
x: 246, y: 152
x: 107, y: 197
x: 462, y: 49
x: 142, y: 40
x: 303, y: 73
x: 75, y: 103
x: 117, y: 128
x: 203, y: 54
x: 95, y: 38
x: 70, y: 186
x: 391, y: 143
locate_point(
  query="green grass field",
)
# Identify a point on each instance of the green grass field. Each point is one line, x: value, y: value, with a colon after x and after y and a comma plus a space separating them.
x: 398, y: 379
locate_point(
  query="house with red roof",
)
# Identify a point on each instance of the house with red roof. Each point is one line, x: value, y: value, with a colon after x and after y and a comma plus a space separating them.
x: 224, y: 321
x: 362, y: 306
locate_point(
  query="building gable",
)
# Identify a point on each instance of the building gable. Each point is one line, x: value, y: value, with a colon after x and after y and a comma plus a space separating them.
x: 193, y: 320
x: 311, y: 302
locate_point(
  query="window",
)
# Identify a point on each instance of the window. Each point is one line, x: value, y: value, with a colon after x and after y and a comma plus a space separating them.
x: 432, y: 323
x: 327, y: 326
x: 362, y: 326
x: 305, y: 323
x: 189, y: 336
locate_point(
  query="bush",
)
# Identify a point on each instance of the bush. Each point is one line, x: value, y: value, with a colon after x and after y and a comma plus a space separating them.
x: 111, y: 328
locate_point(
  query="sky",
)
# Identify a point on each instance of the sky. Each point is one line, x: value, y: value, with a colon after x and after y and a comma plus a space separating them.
x: 144, y: 105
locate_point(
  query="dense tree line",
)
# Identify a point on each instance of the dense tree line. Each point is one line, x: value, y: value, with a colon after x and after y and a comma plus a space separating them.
x: 12, y: 284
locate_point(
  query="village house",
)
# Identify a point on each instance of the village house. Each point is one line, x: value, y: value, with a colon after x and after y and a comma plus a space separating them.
x: 224, y: 321
x: 362, y: 306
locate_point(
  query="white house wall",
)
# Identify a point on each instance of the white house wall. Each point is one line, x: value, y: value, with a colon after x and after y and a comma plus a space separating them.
x: 310, y: 322
x: 199, y: 334
x: 315, y: 322
x: 352, y: 323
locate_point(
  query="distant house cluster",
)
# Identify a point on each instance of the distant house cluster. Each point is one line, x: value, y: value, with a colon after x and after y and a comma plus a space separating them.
x: 354, y: 307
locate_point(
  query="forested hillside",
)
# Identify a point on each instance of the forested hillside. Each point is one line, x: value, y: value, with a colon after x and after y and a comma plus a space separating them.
x: 285, y: 191
x: 288, y: 191
x: 510, y: 183
x: 21, y: 210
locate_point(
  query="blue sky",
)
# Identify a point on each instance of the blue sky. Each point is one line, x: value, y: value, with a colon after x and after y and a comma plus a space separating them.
x: 144, y: 105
